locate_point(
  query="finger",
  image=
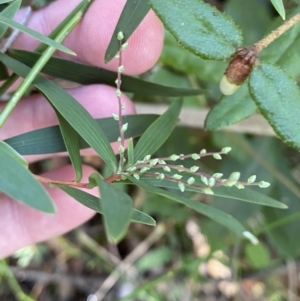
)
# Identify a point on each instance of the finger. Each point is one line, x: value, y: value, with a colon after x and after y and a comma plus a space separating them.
x: 34, y: 112
x: 91, y: 37
x: 21, y: 225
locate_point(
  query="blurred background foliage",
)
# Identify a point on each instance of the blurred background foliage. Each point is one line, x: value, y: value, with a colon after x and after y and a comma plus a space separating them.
x: 187, y: 257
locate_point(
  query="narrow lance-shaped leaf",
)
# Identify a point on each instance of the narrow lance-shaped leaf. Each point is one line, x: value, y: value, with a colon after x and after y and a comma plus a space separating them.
x: 220, y: 217
x: 230, y: 110
x: 277, y: 97
x: 71, y: 139
x: 14, y: 154
x: 94, y: 203
x: 158, y: 132
x: 130, y: 152
x: 117, y: 208
x: 9, y: 12
x: 132, y: 15
x: 278, y: 4
x: 199, y: 27
x: 17, y: 182
x: 35, y: 34
x: 71, y: 110
x: 246, y: 195
x: 68, y: 70
x: 49, y: 140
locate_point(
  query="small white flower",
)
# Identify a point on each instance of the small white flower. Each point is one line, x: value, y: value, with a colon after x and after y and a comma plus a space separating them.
x: 251, y: 179
x: 235, y: 176
x: 153, y: 162
x: 124, y: 127
x: 204, y: 180
x: 118, y: 93
x: 194, y: 168
x: 166, y: 168
x: 263, y: 184
x: 120, y: 69
x: 177, y: 176
x: 115, y: 116
x: 136, y: 175
x: 217, y: 175
x: 181, y: 186
x: 120, y: 36
x: 191, y: 181
x: 173, y: 157
x: 217, y: 156
x: 195, y: 156
x: 226, y: 150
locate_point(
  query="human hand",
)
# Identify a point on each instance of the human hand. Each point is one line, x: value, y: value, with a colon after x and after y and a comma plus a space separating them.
x: 19, y: 224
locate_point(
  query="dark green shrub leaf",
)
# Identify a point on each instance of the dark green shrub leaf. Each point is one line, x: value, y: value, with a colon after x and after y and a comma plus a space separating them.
x: 132, y: 15
x: 230, y: 109
x: 49, y: 140
x: 277, y: 97
x: 68, y: 70
x: 220, y: 217
x: 9, y: 12
x: 34, y: 34
x: 94, y: 203
x: 17, y: 182
x: 182, y: 60
x: 117, y: 208
x: 199, y: 27
x: 158, y: 132
x: 71, y: 140
x: 71, y: 110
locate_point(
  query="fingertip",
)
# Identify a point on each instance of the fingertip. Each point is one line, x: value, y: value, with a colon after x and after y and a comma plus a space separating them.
x: 21, y: 225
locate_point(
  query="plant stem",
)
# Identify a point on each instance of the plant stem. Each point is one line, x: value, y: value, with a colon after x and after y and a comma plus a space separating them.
x: 122, y: 136
x: 263, y: 43
x: 13, y: 283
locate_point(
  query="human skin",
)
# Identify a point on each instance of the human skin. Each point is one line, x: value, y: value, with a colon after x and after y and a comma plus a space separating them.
x: 19, y: 224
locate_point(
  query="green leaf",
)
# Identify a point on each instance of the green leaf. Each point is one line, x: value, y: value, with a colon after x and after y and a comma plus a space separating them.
x: 49, y: 140
x: 15, y: 155
x: 132, y: 15
x: 17, y: 182
x: 277, y: 97
x: 117, y: 209
x: 94, y: 203
x: 184, y: 61
x: 71, y: 110
x: 220, y: 217
x: 5, y: 1
x: 278, y: 4
x: 71, y: 140
x: 130, y: 152
x: 246, y: 195
x: 230, y: 109
x: 68, y: 70
x: 9, y: 12
x: 35, y: 34
x: 199, y: 27
x: 158, y: 132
